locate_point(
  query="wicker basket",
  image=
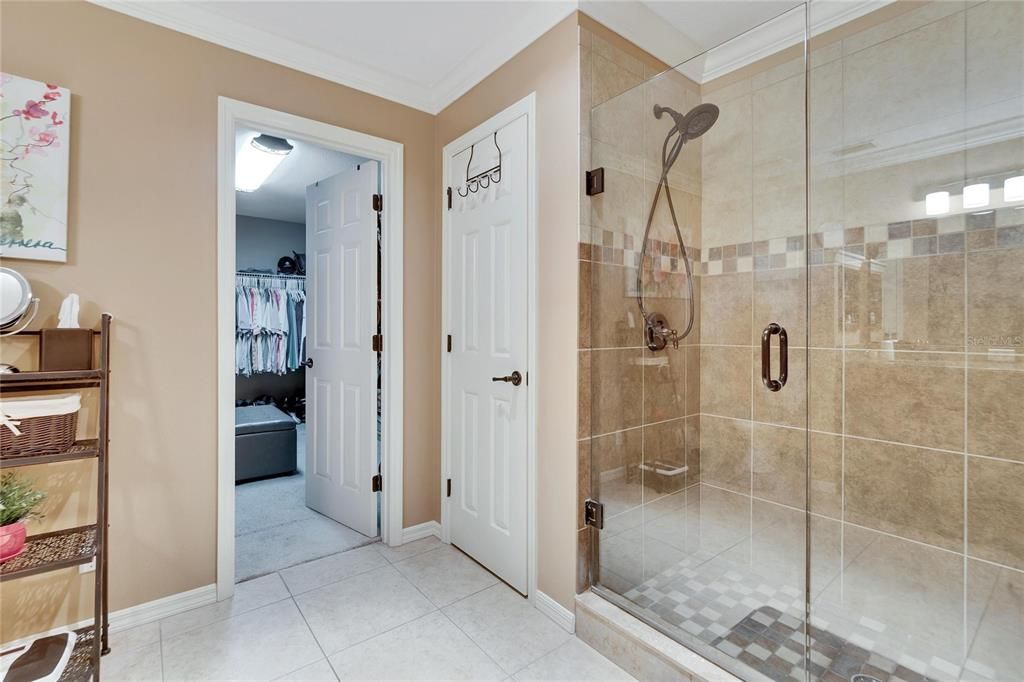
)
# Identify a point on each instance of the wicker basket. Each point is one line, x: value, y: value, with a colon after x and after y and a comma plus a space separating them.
x: 40, y: 435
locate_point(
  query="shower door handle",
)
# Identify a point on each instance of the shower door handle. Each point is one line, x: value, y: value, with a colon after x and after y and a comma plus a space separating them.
x: 766, y: 357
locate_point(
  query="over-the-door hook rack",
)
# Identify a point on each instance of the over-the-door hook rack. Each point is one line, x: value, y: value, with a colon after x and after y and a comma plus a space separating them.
x: 485, y: 178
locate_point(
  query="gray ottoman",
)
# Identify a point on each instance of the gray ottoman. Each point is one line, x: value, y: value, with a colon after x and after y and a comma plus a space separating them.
x: 264, y: 442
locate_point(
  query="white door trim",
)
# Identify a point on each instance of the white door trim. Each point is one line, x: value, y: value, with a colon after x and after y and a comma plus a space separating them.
x: 528, y: 107
x: 230, y: 114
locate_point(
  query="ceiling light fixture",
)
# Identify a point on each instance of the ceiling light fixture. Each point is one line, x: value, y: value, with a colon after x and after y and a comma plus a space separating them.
x: 1013, y: 188
x: 936, y: 203
x: 257, y: 160
x: 976, y: 196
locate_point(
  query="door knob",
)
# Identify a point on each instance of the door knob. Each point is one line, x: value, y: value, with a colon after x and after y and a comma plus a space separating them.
x: 515, y: 378
x: 308, y: 363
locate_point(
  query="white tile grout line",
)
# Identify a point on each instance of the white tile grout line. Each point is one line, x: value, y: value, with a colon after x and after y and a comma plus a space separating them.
x: 473, y: 641
x: 311, y: 634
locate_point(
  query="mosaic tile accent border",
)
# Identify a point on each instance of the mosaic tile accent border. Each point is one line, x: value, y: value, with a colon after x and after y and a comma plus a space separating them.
x: 622, y: 249
x: 995, y: 229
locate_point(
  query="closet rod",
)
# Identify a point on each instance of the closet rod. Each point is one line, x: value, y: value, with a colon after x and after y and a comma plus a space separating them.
x: 268, y: 274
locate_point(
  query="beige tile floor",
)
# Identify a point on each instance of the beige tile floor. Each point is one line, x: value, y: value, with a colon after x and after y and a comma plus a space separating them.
x: 423, y: 611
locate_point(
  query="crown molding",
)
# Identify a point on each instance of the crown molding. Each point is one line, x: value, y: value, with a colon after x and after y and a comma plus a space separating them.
x: 643, y: 27
x: 781, y: 32
x: 191, y: 19
x: 639, y: 24
x: 506, y: 44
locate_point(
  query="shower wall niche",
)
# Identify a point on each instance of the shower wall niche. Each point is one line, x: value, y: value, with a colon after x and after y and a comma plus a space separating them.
x: 866, y: 517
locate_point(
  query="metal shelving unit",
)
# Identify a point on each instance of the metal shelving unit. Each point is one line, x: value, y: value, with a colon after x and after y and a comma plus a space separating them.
x: 66, y: 548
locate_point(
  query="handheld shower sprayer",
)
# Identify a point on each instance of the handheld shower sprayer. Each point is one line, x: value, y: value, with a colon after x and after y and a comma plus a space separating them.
x: 686, y: 127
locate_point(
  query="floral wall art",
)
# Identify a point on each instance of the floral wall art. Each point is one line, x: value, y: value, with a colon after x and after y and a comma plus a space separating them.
x: 35, y: 137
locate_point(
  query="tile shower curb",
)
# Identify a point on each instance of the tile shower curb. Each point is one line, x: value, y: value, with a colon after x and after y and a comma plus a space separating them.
x: 637, y: 648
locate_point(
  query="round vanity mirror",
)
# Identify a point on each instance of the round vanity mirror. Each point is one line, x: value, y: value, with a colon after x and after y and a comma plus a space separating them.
x: 15, y: 301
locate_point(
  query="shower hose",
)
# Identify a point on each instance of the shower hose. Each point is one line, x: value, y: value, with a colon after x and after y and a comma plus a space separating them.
x: 668, y: 159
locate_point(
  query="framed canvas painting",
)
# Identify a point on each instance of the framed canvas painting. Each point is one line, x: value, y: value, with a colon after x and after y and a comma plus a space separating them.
x: 34, y: 127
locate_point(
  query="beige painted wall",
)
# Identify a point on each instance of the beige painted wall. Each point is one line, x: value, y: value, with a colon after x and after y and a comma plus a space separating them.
x: 142, y: 234
x: 549, y: 67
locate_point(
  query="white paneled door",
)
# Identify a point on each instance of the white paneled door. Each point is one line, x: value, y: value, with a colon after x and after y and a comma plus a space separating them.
x: 487, y: 397
x: 341, y: 314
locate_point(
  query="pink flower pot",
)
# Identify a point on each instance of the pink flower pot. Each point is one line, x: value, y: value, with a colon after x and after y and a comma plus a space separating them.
x: 12, y: 540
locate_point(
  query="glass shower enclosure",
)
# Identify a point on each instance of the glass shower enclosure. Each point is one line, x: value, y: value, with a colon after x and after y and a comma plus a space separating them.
x: 806, y: 345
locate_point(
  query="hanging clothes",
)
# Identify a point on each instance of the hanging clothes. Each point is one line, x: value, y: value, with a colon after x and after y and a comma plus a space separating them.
x: 269, y: 325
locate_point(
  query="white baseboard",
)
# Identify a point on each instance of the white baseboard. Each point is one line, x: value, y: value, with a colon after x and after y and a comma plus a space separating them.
x: 420, y: 531
x: 159, y: 609
x: 142, y: 614
x: 562, y: 616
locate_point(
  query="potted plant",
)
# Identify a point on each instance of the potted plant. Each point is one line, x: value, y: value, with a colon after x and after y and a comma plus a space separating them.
x: 18, y: 501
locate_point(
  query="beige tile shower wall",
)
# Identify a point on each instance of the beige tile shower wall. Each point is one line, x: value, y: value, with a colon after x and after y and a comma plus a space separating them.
x: 915, y: 324
x: 634, y: 405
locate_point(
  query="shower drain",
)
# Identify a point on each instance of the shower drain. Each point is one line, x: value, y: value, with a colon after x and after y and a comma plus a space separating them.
x: 864, y: 678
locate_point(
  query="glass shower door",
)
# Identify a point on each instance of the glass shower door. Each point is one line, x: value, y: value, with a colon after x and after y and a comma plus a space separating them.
x: 698, y: 244
x: 754, y: 353
x: 862, y: 517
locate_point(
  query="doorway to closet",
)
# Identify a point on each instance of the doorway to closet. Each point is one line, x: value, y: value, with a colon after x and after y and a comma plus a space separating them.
x: 300, y: 497
x: 305, y: 284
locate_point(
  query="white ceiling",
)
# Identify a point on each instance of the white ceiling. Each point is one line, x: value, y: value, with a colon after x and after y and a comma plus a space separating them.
x: 422, y: 54
x: 709, y: 23
x: 426, y: 54
x: 283, y: 195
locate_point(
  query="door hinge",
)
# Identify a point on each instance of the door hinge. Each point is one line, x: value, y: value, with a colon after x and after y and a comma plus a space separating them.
x: 378, y: 202
x: 449, y: 198
x: 377, y: 484
x: 595, y: 182
x: 593, y: 514
x: 449, y: 487
x: 449, y: 343
x: 378, y: 343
